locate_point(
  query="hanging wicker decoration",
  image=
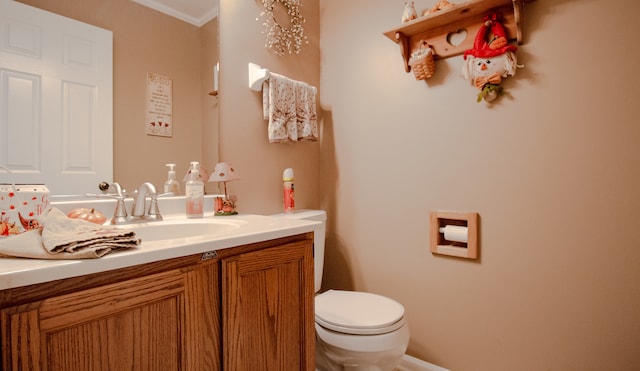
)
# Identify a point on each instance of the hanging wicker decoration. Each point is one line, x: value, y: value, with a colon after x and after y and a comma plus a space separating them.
x: 422, y: 63
x: 283, y: 39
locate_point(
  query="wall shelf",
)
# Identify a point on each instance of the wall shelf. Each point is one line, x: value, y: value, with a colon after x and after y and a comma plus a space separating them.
x: 439, y: 27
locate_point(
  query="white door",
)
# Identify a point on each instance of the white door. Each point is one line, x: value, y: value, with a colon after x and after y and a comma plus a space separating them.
x: 56, y: 100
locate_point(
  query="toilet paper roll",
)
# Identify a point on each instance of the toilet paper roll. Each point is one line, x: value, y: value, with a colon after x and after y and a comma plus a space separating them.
x: 455, y: 233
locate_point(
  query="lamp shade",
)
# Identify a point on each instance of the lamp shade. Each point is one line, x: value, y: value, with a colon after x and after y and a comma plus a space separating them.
x: 223, y: 172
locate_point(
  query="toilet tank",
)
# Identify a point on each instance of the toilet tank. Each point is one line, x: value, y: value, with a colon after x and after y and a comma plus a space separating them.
x: 318, y: 240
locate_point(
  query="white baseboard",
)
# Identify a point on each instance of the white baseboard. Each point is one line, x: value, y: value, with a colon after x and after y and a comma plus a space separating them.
x: 414, y: 364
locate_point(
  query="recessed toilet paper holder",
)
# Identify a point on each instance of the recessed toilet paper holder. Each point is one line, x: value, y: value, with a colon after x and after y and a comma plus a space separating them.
x: 454, y: 233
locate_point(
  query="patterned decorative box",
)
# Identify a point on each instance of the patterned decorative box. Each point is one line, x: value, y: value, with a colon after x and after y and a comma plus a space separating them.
x: 20, y: 206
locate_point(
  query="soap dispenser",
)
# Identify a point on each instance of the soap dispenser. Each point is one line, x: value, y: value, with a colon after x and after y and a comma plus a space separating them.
x: 171, y: 185
x: 194, y: 192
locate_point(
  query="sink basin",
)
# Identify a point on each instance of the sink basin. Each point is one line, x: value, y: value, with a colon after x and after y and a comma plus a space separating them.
x: 183, y: 228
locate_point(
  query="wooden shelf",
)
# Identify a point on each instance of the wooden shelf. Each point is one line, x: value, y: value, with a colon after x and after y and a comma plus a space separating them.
x: 436, y: 28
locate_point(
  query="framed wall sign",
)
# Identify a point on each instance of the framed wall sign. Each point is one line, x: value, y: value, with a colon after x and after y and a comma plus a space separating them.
x: 159, y: 105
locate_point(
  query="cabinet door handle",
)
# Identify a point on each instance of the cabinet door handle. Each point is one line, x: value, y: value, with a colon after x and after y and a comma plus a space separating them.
x: 209, y: 255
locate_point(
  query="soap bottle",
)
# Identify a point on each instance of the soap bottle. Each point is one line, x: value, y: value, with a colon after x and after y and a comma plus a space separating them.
x: 287, y: 182
x: 194, y: 192
x: 171, y: 185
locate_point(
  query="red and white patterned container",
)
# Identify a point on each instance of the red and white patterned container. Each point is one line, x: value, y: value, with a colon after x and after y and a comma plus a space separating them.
x: 20, y: 206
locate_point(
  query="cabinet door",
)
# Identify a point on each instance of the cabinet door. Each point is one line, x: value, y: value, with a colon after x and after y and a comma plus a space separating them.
x: 268, y: 321
x: 147, y: 323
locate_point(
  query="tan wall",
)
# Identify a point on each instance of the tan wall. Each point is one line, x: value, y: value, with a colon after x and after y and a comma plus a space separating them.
x: 553, y: 170
x: 144, y: 41
x: 243, y: 132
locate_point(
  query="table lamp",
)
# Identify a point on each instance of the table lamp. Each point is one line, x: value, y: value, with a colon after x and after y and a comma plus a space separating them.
x: 224, y: 172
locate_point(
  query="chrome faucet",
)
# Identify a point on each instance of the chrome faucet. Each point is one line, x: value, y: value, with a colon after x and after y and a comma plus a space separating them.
x: 139, y: 211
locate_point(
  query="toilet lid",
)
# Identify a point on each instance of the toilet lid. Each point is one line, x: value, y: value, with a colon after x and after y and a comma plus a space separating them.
x: 358, y: 313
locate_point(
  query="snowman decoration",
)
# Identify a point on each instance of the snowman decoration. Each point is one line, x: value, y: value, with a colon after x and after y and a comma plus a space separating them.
x: 490, y: 60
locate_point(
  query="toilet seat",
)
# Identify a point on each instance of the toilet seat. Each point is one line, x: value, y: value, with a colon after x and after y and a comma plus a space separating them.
x: 358, y: 313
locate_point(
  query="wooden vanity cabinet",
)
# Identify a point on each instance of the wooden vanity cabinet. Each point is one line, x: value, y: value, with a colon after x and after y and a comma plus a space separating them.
x: 267, y: 311
x: 248, y: 308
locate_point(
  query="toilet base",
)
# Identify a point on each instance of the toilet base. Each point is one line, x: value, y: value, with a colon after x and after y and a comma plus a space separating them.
x: 360, y: 361
x: 332, y: 358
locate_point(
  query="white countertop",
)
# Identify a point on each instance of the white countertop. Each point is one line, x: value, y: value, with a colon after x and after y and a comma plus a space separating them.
x: 16, y: 272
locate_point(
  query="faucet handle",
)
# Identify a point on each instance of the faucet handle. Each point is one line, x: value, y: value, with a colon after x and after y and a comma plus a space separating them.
x: 154, y: 210
x: 120, y: 213
x: 111, y: 189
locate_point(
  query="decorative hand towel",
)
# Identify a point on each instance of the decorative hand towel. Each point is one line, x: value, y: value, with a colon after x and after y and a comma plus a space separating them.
x: 307, y: 121
x: 282, y: 109
x: 64, y: 238
x: 265, y: 99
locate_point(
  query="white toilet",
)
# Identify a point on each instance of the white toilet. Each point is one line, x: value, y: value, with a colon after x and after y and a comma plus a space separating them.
x: 354, y: 330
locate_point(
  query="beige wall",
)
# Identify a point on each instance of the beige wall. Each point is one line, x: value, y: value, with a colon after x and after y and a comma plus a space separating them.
x: 144, y: 41
x: 553, y: 170
x: 243, y: 132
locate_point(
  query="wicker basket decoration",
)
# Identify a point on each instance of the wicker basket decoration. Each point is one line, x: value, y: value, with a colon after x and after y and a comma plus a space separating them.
x: 422, y: 62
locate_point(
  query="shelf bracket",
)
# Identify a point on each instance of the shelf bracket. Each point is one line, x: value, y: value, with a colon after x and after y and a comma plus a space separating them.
x: 517, y: 18
x: 403, y: 41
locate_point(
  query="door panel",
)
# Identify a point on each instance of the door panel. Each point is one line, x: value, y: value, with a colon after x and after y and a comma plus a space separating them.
x: 56, y: 99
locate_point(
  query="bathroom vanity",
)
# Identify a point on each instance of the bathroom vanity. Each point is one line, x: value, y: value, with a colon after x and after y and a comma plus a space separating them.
x: 242, y: 300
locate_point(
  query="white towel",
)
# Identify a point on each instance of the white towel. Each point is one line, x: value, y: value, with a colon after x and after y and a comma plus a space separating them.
x: 64, y: 238
x: 281, y: 101
x: 307, y: 119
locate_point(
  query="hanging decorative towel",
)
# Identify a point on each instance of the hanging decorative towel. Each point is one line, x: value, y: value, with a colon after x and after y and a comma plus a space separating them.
x: 307, y: 121
x: 490, y: 60
x: 281, y: 105
x: 290, y: 108
x: 20, y: 206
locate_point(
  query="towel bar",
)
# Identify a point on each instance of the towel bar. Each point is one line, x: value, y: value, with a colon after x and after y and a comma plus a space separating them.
x: 257, y: 75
